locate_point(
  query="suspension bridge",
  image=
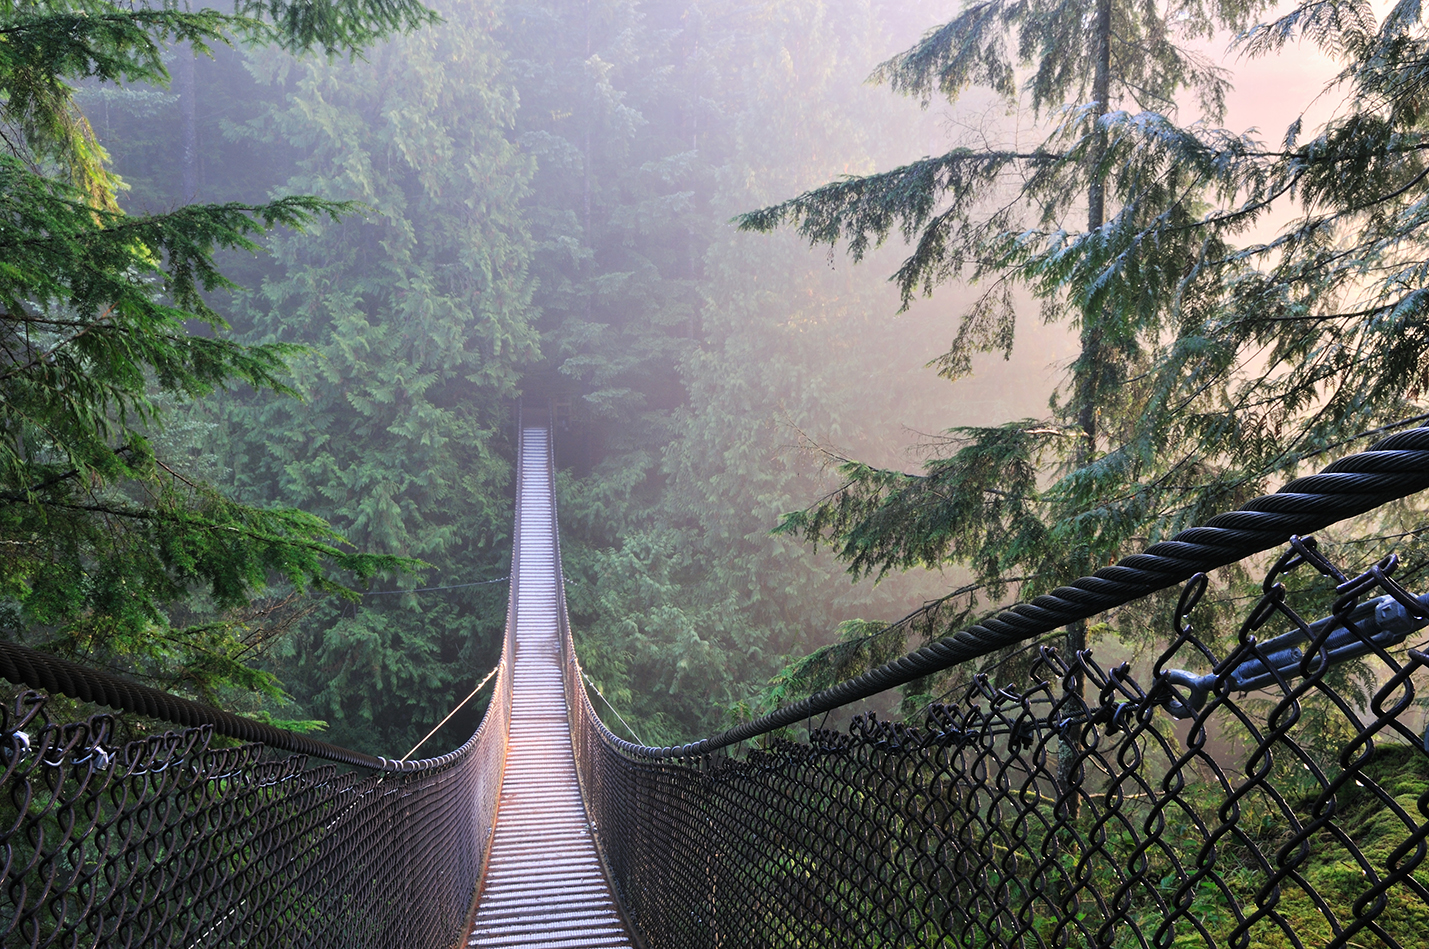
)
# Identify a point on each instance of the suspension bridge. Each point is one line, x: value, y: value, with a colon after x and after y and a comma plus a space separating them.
x: 544, y: 884
x: 1228, y: 794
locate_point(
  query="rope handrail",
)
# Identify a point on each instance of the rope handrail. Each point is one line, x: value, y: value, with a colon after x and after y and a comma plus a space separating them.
x: 1392, y: 468
x: 38, y: 670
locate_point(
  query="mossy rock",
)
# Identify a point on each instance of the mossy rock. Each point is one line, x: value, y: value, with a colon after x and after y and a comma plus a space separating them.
x: 1330, y: 869
x: 1402, y: 772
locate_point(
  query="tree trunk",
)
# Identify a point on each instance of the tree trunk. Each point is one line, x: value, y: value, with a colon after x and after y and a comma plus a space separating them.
x: 185, y: 82
x: 1087, y: 381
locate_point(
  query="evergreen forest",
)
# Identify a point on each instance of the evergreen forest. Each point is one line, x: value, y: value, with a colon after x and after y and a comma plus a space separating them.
x: 858, y: 319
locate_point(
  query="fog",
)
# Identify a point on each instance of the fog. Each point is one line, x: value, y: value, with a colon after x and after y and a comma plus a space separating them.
x: 544, y: 195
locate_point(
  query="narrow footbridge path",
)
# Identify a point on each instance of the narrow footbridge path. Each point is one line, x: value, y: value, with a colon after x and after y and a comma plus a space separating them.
x: 544, y: 883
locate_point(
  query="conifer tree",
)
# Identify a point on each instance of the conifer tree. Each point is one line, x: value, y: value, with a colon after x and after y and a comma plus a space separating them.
x: 101, y: 534
x: 1043, y: 218
x: 607, y: 115
x: 788, y: 345
x: 620, y: 143
x: 419, y: 319
x: 1218, y: 367
x: 1224, y: 364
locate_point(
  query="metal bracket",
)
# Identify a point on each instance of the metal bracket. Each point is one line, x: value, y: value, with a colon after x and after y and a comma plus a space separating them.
x: 1378, y: 623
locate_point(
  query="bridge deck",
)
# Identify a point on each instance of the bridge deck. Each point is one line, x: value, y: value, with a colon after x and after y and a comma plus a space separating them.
x: 544, y: 885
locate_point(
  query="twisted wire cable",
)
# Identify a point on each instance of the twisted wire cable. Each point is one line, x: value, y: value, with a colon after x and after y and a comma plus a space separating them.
x: 1392, y: 468
x: 38, y: 670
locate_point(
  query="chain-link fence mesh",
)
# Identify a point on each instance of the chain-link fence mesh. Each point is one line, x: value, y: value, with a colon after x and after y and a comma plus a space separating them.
x: 167, y: 841
x: 1291, y: 814
x: 1273, y: 795
x: 111, y: 840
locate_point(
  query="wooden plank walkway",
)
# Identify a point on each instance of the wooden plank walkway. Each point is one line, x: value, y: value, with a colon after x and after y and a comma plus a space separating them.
x: 544, y: 886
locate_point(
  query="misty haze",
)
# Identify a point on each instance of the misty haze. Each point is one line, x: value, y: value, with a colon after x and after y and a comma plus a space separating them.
x: 646, y: 473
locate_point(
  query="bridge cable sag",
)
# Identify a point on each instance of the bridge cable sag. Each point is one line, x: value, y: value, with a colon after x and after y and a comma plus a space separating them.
x: 1392, y: 468
x: 614, y: 711
x: 456, y: 708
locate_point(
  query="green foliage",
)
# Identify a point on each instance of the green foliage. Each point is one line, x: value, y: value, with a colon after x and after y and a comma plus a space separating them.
x: 1210, y: 368
x: 981, y: 504
x: 1043, y: 55
x: 105, y: 326
x: 338, y: 26
x: 614, y: 209
x: 1327, y: 876
x: 417, y: 321
x: 608, y: 111
x: 48, y: 45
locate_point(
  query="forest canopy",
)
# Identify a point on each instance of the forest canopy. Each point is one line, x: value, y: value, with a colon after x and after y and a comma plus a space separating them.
x: 273, y: 279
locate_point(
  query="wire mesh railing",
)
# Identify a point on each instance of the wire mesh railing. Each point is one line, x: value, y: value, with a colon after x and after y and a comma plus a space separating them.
x: 111, y: 838
x: 1273, y: 794
x: 166, y: 841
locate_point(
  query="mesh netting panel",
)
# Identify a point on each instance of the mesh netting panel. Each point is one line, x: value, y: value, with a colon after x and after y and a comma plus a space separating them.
x: 167, y: 841
x: 1290, y: 814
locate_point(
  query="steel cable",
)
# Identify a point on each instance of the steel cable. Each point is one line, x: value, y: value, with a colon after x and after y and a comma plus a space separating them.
x: 1390, y: 469
x: 25, y: 666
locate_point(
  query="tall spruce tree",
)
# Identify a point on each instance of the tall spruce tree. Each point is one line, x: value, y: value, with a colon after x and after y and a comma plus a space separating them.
x: 103, y: 534
x: 1100, y: 82
x: 1220, y: 364
x: 606, y: 113
x: 1316, y: 335
x: 1237, y: 359
x: 419, y: 321
x: 1027, y: 216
